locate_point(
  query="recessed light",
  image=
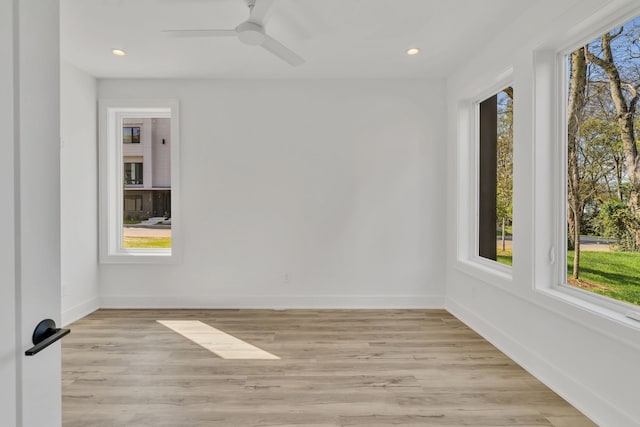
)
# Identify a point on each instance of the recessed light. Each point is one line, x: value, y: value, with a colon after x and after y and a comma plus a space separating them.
x: 118, y: 52
x: 413, y: 51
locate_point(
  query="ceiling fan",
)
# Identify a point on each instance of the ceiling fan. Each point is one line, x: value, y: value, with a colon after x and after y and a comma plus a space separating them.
x: 250, y: 32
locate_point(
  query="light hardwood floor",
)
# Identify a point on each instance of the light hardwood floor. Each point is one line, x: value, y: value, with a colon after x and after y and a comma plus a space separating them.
x: 337, y: 368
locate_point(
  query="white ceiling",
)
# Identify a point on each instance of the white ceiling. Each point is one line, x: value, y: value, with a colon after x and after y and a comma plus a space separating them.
x: 338, y: 38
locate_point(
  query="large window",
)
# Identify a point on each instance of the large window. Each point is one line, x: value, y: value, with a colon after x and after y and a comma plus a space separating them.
x: 603, y: 164
x: 495, y: 192
x: 138, y: 174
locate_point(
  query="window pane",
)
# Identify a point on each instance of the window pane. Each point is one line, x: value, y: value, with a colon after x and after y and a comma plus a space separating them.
x: 135, y: 135
x: 495, y: 208
x: 147, y: 184
x: 603, y: 165
x: 133, y: 204
x: 126, y: 135
x: 131, y: 135
x: 133, y: 174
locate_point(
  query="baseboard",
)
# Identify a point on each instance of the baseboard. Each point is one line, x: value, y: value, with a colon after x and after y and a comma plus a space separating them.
x: 78, y: 311
x: 586, y: 400
x: 275, y: 301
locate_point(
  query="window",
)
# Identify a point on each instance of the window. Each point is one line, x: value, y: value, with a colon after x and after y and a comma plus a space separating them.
x: 132, y: 204
x: 484, y: 185
x: 138, y: 181
x: 131, y: 135
x: 603, y: 164
x: 495, y: 183
x: 133, y: 174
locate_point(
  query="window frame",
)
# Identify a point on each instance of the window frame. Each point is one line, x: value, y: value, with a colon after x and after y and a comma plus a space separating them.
x: 132, y: 141
x: 468, y: 259
x: 111, y: 180
x: 550, y: 142
x: 134, y: 167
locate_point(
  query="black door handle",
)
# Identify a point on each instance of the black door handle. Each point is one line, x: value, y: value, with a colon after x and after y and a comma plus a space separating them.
x: 44, y: 335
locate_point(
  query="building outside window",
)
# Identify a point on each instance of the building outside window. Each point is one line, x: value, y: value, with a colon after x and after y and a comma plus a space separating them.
x: 147, y: 182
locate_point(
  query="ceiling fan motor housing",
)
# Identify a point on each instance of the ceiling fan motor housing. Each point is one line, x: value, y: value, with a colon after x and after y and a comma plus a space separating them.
x: 251, y: 33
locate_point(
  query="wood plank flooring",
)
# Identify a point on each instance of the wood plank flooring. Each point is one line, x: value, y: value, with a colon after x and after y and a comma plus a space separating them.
x: 337, y: 368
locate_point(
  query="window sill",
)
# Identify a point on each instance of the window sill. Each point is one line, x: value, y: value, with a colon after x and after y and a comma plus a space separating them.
x: 595, y: 304
x: 579, y: 307
x: 488, y: 271
x: 141, y: 256
x: 574, y: 304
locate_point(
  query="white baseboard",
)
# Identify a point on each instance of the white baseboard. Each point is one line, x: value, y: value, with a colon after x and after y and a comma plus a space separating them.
x: 79, y: 311
x: 586, y: 400
x: 275, y: 301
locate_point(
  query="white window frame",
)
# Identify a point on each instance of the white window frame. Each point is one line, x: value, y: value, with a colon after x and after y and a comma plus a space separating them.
x: 468, y: 125
x: 550, y: 193
x: 111, y: 188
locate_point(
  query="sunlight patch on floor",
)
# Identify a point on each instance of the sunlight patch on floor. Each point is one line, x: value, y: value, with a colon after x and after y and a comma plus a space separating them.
x: 224, y: 345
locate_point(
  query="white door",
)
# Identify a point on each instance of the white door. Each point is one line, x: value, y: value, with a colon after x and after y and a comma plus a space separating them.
x: 30, y: 387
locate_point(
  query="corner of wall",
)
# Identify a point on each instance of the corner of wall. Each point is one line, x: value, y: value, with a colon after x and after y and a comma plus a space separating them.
x: 588, y: 401
x: 79, y: 311
x: 78, y: 193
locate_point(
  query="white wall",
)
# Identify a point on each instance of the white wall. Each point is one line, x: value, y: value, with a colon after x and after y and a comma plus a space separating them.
x: 299, y: 194
x: 161, y: 131
x: 9, y: 347
x: 78, y: 193
x: 37, y: 214
x: 588, y: 359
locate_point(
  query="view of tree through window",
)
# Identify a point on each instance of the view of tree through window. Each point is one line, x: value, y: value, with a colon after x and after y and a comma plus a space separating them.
x: 496, y: 177
x: 504, y: 176
x: 603, y: 182
x: 146, y: 157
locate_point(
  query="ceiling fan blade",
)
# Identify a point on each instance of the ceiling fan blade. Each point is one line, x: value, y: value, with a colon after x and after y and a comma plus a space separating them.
x: 201, y: 33
x: 281, y: 51
x: 259, y: 10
